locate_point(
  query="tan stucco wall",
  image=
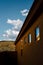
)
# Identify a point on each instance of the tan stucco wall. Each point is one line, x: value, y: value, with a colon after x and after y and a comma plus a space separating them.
x: 33, y: 53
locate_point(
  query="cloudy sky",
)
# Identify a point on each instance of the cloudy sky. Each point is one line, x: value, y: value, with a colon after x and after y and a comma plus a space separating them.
x: 12, y: 16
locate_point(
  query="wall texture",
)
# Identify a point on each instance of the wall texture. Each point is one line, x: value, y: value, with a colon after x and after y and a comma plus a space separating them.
x: 31, y: 54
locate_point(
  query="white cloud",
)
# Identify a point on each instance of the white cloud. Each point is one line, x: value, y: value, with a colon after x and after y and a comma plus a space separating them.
x: 0, y: 40
x: 14, y: 22
x: 8, y: 31
x: 4, y: 35
x: 15, y: 32
x: 24, y: 12
x: 11, y: 34
x: 17, y: 24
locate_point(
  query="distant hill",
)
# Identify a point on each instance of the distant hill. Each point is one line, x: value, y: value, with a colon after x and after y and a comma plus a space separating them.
x: 7, y: 46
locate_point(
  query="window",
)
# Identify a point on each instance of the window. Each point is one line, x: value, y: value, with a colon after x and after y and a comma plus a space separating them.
x: 29, y: 38
x: 37, y: 34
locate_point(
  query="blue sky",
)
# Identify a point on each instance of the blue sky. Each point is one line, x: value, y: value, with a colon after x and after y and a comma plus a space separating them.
x: 12, y: 16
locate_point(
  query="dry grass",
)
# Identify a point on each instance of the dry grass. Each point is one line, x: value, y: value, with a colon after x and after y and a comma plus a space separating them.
x: 7, y: 46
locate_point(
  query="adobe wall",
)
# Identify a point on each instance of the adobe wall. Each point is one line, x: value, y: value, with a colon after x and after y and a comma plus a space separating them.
x: 32, y: 54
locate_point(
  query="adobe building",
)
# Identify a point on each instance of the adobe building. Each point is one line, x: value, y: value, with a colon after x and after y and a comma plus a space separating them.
x: 29, y: 42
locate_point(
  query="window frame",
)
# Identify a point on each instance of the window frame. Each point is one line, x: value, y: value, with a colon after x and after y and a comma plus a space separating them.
x: 29, y: 38
x: 36, y: 38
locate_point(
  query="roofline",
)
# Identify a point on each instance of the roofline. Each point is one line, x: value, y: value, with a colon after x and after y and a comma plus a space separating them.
x: 37, y: 6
